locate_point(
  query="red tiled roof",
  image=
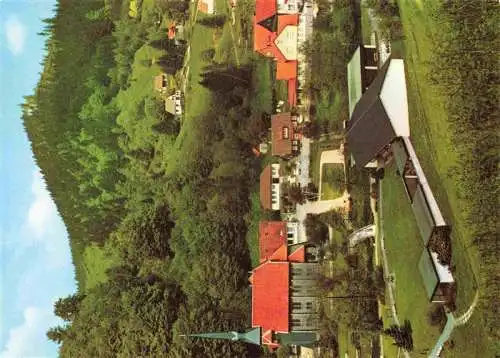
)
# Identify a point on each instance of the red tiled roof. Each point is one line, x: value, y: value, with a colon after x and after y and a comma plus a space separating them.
x: 264, y: 9
x: 281, y: 254
x: 264, y: 42
x: 292, y: 92
x: 286, y: 20
x: 203, y: 6
x: 281, y: 145
x: 299, y: 255
x: 270, y: 292
x: 286, y: 70
x: 265, y: 188
x: 272, y: 234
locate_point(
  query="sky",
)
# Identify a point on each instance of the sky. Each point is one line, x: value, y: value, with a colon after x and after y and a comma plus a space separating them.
x: 35, y: 260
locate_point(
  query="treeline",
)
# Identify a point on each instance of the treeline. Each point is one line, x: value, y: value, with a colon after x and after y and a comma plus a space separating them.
x: 71, y: 117
x: 466, y: 69
x: 333, y: 42
x: 168, y: 203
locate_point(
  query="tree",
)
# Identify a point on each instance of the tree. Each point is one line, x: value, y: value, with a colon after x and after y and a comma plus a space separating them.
x: 57, y: 334
x: 67, y: 307
x: 316, y: 230
x: 213, y: 21
x: 402, y: 335
x: 224, y: 79
x: 295, y: 194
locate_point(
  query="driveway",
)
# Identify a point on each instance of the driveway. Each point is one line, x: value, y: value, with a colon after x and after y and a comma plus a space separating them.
x: 303, y: 162
x: 317, y: 207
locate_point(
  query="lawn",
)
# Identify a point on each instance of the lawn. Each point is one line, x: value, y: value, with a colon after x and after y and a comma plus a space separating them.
x: 404, y: 248
x: 253, y: 227
x: 262, y: 85
x: 317, y: 147
x: 358, y: 186
x: 431, y: 136
x: 333, y: 181
x: 366, y: 28
x: 95, y: 262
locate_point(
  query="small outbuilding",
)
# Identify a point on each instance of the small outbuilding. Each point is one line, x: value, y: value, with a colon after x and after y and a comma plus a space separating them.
x: 438, y: 280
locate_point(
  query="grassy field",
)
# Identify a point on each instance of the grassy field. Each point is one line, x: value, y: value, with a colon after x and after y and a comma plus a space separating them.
x: 404, y: 248
x: 431, y: 136
x: 333, y: 181
x: 262, y: 84
x: 317, y: 147
x: 366, y: 29
x: 253, y: 228
x: 96, y: 262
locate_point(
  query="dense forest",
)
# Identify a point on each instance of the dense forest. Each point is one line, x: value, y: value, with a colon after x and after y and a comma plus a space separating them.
x: 166, y: 202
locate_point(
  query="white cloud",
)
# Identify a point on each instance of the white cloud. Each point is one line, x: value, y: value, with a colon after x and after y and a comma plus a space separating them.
x: 28, y: 339
x: 42, y: 211
x: 43, y: 225
x: 15, y: 32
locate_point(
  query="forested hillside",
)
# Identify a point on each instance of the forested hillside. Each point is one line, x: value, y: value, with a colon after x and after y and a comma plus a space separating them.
x: 163, y: 203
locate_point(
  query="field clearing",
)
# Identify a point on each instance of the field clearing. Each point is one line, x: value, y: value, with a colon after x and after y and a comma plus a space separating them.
x: 96, y: 261
x: 404, y: 248
x: 431, y: 136
x: 333, y: 181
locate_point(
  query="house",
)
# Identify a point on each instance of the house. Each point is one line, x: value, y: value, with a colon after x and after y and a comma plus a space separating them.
x: 161, y: 83
x: 207, y: 6
x: 274, y: 234
x: 361, y: 71
x: 270, y: 187
x: 276, y: 36
x: 285, y: 303
x: 379, y: 117
x: 174, y: 103
x: 285, y: 138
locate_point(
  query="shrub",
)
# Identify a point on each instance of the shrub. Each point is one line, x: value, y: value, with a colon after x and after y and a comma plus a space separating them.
x: 214, y: 21
x: 436, y: 316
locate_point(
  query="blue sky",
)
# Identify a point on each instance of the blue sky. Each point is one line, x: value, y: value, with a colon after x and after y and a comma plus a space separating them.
x: 35, y: 262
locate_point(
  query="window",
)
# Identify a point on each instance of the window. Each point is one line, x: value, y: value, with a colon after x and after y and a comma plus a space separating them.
x: 309, y: 305
x: 285, y: 133
x: 290, y: 235
x: 296, y: 322
x: 296, y: 305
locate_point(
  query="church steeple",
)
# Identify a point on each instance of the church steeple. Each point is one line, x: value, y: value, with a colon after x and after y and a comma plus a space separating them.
x: 252, y: 336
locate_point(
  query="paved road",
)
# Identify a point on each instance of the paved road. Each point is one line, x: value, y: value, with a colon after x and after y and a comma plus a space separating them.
x: 303, y: 162
x: 316, y: 207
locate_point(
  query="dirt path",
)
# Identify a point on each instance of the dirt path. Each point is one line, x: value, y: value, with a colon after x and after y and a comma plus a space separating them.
x: 232, y: 23
x: 451, y: 323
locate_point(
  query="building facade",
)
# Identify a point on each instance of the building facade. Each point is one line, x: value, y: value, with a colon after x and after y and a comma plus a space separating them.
x: 285, y: 302
x: 174, y: 103
x: 270, y: 187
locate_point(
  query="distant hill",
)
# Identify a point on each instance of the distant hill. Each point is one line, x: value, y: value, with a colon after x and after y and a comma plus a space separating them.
x: 155, y: 212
